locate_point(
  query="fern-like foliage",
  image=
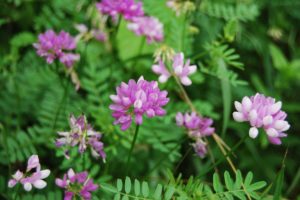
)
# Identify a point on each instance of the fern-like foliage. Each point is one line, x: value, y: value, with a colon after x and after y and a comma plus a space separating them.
x: 234, y: 188
x: 227, y: 11
x: 138, y: 190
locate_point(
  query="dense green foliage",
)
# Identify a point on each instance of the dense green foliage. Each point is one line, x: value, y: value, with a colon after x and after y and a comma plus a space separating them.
x: 239, y: 46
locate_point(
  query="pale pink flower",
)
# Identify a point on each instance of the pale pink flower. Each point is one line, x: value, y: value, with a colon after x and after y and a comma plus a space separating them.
x: 150, y: 27
x: 262, y: 112
x: 28, y: 180
x: 179, y: 68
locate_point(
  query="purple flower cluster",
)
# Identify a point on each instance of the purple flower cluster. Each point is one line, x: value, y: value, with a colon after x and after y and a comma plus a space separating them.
x: 76, y: 185
x: 35, y: 179
x: 127, y: 8
x: 197, y: 127
x: 81, y: 134
x: 262, y: 112
x: 179, y: 69
x: 136, y: 99
x: 53, y: 46
x: 148, y: 26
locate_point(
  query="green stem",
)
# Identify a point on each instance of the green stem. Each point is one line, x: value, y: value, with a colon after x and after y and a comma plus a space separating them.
x: 132, y: 146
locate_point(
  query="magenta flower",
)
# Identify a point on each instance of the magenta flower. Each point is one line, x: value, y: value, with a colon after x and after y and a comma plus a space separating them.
x: 127, y: 8
x: 197, y: 128
x: 150, y: 27
x: 83, y: 135
x: 53, y: 46
x: 262, y: 112
x: 28, y: 180
x: 179, y: 69
x: 76, y: 185
x: 136, y: 99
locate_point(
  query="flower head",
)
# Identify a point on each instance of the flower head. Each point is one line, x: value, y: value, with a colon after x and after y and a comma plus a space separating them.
x: 179, y: 68
x: 128, y: 8
x: 262, y: 112
x: 83, y: 135
x: 136, y: 99
x: 197, y: 128
x: 76, y: 185
x: 27, y: 179
x: 200, y: 148
x: 52, y: 46
x: 150, y: 27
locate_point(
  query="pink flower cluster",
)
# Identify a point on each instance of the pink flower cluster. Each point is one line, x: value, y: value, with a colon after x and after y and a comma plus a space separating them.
x: 136, y: 99
x: 262, y: 112
x: 35, y: 179
x: 197, y: 127
x: 179, y: 68
x: 76, y: 185
x: 53, y: 46
x: 127, y: 8
x: 148, y: 26
x: 81, y: 134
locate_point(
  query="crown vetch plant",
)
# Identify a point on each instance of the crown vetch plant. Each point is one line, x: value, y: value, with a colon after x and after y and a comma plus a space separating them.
x: 199, y: 44
x: 135, y: 99
x: 179, y: 68
x: 129, y: 9
x: 197, y: 128
x: 29, y: 178
x: 76, y: 184
x: 262, y: 112
x: 53, y: 46
x: 83, y: 135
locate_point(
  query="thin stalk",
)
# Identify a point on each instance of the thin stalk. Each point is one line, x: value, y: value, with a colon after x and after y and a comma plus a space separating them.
x: 132, y: 146
x: 182, y: 159
x: 230, y: 163
x: 185, y: 95
x: 217, y: 139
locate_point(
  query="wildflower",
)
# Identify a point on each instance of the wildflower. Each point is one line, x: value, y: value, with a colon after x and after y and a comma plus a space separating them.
x: 262, y: 112
x: 200, y: 148
x: 52, y: 46
x: 27, y: 179
x: 136, y: 99
x: 179, y: 69
x: 150, y: 27
x: 83, y: 135
x: 161, y: 69
x: 197, y: 127
x: 128, y: 8
x: 76, y: 185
